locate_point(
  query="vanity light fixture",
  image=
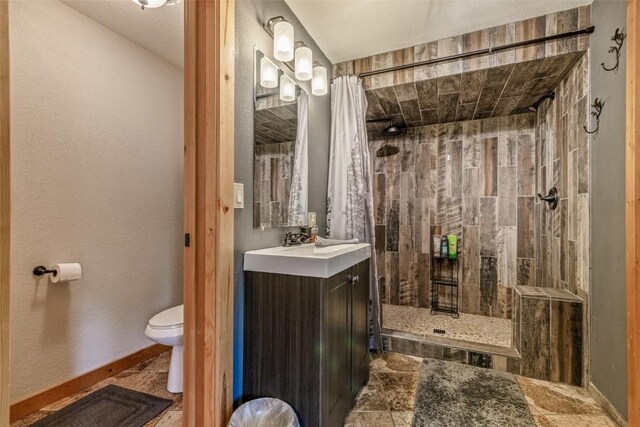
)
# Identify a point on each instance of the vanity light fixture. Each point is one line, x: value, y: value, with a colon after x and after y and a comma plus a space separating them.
x: 287, y: 88
x: 283, y: 38
x: 268, y: 73
x: 303, y: 63
x: 319, y: 81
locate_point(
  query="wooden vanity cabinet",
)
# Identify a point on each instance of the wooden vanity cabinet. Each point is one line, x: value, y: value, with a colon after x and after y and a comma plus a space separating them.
x: 306, y: 341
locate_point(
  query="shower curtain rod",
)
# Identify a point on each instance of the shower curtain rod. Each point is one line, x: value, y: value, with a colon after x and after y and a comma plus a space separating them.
x: 588, y: 30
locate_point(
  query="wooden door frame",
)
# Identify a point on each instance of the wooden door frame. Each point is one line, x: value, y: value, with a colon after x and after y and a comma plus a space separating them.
x: 5, y: 214
x: 633, y: 212
x: 208, y: 211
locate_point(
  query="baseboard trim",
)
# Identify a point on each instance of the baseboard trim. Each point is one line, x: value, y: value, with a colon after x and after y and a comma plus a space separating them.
x: 606, y: 405
x: 49, y: 396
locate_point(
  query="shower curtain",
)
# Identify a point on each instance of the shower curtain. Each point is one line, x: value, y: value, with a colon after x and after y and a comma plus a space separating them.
x: 350, y: 188
x: 298, y: 194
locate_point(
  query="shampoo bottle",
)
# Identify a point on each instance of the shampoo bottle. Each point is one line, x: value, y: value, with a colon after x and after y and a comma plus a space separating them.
x: 453, y: 246
x: 444, y: 247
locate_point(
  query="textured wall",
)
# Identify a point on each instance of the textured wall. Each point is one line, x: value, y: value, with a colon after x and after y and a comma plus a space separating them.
x: 474, y: 179
x: 249, y: 34
x: 96, y: 178
x: 608, y: 322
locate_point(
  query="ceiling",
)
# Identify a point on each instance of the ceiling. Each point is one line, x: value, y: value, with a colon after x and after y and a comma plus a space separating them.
x: 160, y: 30
x: 350, y: 29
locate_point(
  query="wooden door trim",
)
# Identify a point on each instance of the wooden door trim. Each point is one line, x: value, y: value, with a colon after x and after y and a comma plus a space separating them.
x: 208, y: 211
x: 633, y: 212
x: 5, y: 214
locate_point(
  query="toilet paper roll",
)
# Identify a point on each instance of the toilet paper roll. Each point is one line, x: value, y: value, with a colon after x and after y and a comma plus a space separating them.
x: 66, y: 272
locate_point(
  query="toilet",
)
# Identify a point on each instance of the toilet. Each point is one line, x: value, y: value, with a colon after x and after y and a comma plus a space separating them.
x: 166, y: 328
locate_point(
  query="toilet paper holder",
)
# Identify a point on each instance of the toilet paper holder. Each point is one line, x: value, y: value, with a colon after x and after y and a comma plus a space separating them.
x: 41, y: 270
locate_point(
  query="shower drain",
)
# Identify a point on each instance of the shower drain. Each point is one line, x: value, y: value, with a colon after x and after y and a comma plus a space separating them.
x: 439, y: 331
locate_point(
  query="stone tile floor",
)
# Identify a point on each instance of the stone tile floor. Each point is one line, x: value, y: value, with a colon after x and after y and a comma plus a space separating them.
x: 468, y: 327
x: 386, y: 401
x: 149, y: 377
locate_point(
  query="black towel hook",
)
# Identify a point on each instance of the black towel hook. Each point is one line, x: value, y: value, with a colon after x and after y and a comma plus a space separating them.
x: 551, y: 198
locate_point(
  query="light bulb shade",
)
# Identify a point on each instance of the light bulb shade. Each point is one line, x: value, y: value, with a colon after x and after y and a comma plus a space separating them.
x: 283, y: 41
x: 304, y: 63
x: 151, y: 4
x: 268, y: 73
x: 319, y: 82
x: 287, y: 89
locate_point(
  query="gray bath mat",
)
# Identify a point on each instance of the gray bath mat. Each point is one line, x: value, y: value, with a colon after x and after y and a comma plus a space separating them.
x: 451, y: 394
x: 110, y: 406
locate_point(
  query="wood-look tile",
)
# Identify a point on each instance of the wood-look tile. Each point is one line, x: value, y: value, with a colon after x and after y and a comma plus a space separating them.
x: 424, y: 52
x: 488, y: 285
x: 427, y: 92
x: 525, y: 227
x: 447, y: 107
x: 488, y: 100
x: 406, y: 92
x: 471, y: 86
x: 507, y: 196
x: 471, y: 269
x: 408, y: 290
x: 566, y: 342
x: 401, y: 57
x: 411, y: 111
x: 470, y: 42
x: 392, y: 276
x: 526, y: 165
x: 447, y: 47
x: 535, y: 338
x: 527, y: 30
x: 583, y: 149
x: 393, y: 225
x: 465, y: 111
x: 507, y: 260
x: 379, y: 198
x: 488, y: 226
x: 407, y: 198
x: 449, y: 84
x: 388, y: 101
x: 470, y: 197
x: 489, y: 167
x: 499, y: 36
x: 374, y: 109
x: 422, y: 272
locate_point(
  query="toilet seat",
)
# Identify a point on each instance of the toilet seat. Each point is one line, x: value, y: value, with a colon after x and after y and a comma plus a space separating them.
x: 172, y: 318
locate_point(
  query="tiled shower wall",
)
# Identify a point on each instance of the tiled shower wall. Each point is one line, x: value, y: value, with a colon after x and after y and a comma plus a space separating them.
x: 479, y: 179
x: 475, y: 179
x: 562, y: 155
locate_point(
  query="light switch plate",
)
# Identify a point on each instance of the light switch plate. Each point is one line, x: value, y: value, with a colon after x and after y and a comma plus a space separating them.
x: 238, y: 196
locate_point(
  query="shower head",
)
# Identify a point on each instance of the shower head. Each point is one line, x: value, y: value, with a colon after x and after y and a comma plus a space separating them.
x: 533, y: 108
x: 392, y: 130
x: 386, y: 151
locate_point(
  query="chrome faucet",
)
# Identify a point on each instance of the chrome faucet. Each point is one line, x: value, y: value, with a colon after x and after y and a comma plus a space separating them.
x: 295, y: 239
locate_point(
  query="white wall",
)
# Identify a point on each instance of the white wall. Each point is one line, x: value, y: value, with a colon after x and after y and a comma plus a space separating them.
x: 96, y: 127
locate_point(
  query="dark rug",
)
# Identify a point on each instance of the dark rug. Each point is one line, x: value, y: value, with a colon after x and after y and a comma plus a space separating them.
x: 452, y: 394
x: 110, y: 406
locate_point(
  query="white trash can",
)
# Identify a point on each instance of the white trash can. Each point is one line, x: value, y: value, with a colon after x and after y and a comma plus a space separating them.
x: 264, y: 412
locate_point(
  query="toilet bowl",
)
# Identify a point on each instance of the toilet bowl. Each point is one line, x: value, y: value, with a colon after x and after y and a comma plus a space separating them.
x: 166, y: 328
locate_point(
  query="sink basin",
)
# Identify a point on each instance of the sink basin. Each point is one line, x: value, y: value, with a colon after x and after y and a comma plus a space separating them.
x: 306, y: 260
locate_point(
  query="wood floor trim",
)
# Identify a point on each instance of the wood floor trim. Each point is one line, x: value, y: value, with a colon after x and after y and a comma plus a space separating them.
x: 5, y: 214
x: 66, y: 389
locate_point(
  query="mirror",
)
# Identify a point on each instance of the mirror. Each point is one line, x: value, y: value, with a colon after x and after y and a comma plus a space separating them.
x: 280, y: 136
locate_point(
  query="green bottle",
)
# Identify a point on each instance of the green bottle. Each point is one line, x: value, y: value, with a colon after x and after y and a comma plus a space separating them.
x: 453, y: 246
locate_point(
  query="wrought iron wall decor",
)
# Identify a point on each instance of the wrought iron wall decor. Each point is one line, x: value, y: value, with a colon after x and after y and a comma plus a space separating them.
x: 597, y: 106
x: 618, y: 38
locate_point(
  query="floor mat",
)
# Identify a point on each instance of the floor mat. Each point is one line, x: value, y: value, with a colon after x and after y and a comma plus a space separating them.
x: 109, y: 406
x: 452, y: 394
